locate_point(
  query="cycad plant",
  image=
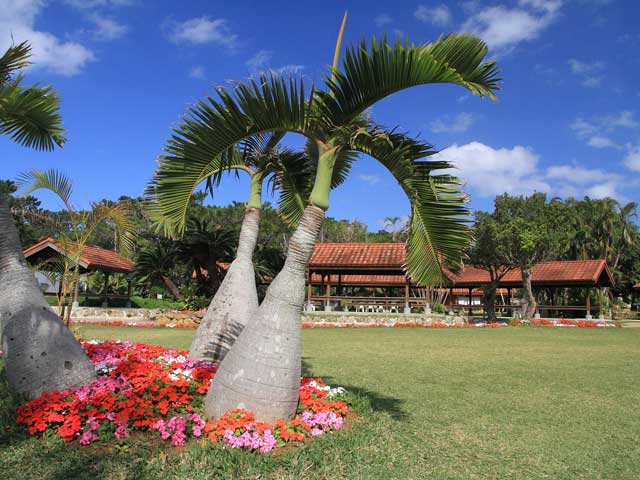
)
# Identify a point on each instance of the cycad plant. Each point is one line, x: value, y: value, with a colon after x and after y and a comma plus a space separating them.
x: 40, y: 353
x: 262, y: 371
x: 83, y: 224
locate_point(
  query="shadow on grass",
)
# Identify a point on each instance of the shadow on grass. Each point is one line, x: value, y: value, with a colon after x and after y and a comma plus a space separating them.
x: 378, y: 402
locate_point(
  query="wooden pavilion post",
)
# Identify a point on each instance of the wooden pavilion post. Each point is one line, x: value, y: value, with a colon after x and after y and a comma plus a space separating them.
x: 309, y: 287
x: 327, y: 305
x: 407, y: 307
x: 588, y: 301
x: 105, y: 290
x: 508, y: 301
x: 470, y: 301
x: 450, y: 298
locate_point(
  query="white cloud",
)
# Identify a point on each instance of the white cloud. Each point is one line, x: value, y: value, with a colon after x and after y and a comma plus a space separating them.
x: 91, y: 4
x: 632, y: 160
x: 17, y: 20
x: 580, y: 175
x: 370, y: 179
x: 288, y: 69
x: 260, y: 59
x: 107, y: 28
x: 588, y: 71
x: 597, y: 131
x: 382, y: 20
x: 489, y: 171
x: 197, y: 72
x: 201, y: 30
x: 503, y: 27
x: 438, y: 15
x: 604, y: 190
x: 458, y: 124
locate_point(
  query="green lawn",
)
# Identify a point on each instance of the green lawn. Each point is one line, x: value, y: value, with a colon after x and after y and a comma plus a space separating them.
x: 499, y: 403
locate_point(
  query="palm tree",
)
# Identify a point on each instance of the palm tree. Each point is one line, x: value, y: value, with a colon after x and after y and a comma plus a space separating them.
x: 83, y: 223
x: 40, y: 353
x: 393, y: 223
x: 262, y: 371
x: 236, y: 298
x: 156, y: 264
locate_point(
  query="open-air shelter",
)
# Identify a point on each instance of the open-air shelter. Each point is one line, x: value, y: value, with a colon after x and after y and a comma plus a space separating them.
x: 91, y: 259
x: 372, y: 277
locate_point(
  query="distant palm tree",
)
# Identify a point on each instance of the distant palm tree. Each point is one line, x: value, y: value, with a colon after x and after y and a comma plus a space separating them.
x: 395, y: 224
x: 157, y: 264
x: 40, y: 353
x: 83, y: 224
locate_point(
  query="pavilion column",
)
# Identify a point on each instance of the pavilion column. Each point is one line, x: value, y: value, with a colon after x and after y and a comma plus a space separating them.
x: 451, y: 298
x: 327, y: 305
x: 129, y: 285
x: 309, y: 286
x: 509, y: 301
x: 470, y: 301
x: 407, y: 307
x: 588, y: 302
x: 105, y: 290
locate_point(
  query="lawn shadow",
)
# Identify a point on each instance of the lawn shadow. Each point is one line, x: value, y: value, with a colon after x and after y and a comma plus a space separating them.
x: 377, y: 401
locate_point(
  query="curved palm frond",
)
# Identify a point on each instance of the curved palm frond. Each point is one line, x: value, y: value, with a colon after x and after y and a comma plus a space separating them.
x: 14, y: 59
x: 439, y: 225
x: 52, y: 180
x: 213, y: 128
x: 120, y: 216
x: 372, y: 72
x: 31, y: 115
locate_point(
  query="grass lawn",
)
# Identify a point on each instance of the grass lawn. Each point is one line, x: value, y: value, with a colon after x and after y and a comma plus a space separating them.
x: 496, y: 403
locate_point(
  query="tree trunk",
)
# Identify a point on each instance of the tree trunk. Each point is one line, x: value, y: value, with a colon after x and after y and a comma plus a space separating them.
x: 262, y: 372
x: 171, y: 287
x: 76, y: 283
x: 528, y: 300
x: 490, y: 303
x: 235, y: 301
x: 40, y: 352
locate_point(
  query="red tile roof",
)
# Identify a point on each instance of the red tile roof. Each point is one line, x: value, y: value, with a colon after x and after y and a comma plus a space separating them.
x: 92, y: 258
x: 362, y: 257
x: 556, y: 272
x: 383, y: 256
x: 637, y: 286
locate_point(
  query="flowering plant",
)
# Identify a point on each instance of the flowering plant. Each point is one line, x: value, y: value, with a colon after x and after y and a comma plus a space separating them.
x: 154, y: 389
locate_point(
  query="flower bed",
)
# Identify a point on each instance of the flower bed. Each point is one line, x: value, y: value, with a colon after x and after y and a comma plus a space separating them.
x: 154, y: 389
x: 539, y: 322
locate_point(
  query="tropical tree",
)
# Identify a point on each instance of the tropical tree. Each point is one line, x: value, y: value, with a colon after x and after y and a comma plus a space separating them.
x: 236, y: 298
x: 262, y: 371
x: 394, y: 224
x: 83, y: 223
x: 40, y: 353
x: 156, y: 264
x: 489, y: 251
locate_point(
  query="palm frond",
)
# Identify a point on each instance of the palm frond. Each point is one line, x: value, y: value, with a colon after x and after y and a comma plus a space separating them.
x: 369, y: 73
x: 31, y: 115
x: 214, y: 127
x: 439, y: 230
x: 14, y: 59
x: 120, y: 216
x: 51, y: 180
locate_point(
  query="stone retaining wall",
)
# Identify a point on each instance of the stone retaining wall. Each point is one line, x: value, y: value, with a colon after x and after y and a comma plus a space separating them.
x: 136, y: 315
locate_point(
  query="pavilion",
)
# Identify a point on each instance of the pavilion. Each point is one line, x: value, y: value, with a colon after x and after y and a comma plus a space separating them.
x: 92, y: 259
x: 372, y: 277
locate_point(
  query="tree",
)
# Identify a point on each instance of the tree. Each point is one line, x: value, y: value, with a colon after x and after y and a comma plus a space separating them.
x: 488, y: 251
x: 236, y: 298
x: 394, y: 224
x: 156, y: 264
x: 83, y: 224
x: 262, y: 370
x: 40, y: 353
x: 529, y: 234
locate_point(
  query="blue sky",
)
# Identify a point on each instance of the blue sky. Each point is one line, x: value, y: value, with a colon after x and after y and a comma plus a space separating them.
x: 567, y: 121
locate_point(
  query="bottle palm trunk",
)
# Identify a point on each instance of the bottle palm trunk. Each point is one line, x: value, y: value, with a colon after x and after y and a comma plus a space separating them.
x: 40, y: 352
x: 235, y: 301
x: 262, y: 372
